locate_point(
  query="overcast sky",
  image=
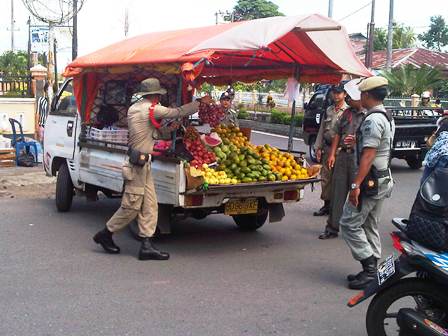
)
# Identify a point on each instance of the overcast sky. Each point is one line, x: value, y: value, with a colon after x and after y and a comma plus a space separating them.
x: 101, y: 22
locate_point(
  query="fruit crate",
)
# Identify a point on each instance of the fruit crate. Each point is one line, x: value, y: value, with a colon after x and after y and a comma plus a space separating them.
x: 107, y: 135
x: 7, y: 157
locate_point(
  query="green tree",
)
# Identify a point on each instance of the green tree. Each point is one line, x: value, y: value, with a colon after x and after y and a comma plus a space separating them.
x: 437, y: 35
x: 402, y: 37
x: 14, y: 63
x: 408, y: 79
x: 253, y: 9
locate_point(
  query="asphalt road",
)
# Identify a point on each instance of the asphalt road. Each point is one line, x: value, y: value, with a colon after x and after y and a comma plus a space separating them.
x: 280, y: 280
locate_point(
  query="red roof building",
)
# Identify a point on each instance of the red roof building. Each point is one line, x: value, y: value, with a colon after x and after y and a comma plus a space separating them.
x: 415, y: 56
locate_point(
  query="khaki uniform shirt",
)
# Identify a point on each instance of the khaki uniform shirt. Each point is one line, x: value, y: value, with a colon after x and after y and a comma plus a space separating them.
x: 142, y: 132
x: 376, y: 132
x: 326, y: 130
x: 348, y: 124
x: 231, y: 117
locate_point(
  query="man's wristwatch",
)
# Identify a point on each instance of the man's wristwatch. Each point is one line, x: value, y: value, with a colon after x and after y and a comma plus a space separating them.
x: 354, y: 186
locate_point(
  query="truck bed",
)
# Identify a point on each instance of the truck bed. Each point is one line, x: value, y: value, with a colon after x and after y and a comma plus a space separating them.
x: 237, y: 188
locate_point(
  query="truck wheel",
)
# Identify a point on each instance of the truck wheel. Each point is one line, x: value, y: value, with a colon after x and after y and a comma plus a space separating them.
x: 312, y: 150
x: 252, y: 222
x: 64, y: 189
x: 414, y: 162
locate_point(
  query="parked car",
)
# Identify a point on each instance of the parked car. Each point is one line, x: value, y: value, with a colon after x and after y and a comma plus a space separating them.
x: 413, y: 126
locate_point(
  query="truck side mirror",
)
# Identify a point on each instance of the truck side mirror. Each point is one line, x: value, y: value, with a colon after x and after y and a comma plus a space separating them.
x: 305, y: 105
x: 312, y: 106
x: 53, y: 103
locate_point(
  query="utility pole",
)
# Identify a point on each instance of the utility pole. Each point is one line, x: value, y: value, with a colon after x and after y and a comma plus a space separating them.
x: 28, y: 63
x: 390, y: 31
x: 75, y: 30
x: 55, y: 52
x: 368, y: 59
x: 330, y: 8
x: 12, y: 25
x: 126, y: 22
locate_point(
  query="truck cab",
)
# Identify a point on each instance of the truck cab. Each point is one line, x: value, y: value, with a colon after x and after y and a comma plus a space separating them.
x: 314, y: 110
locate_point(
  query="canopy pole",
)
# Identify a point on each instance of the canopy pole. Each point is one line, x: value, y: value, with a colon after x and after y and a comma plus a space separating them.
x: 293, y: 114
x: 178, y: 103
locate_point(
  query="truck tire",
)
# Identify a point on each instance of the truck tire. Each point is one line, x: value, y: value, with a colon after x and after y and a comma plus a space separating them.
x: 311, y: 149
x: 414, y: 162
x: 64, y: 189
x: 252, y: 222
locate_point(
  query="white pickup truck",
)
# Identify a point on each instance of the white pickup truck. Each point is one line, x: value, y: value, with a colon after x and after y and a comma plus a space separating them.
x: 86, y: 166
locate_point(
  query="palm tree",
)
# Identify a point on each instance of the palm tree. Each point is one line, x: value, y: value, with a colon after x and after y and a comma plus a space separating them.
x: 408, y: 79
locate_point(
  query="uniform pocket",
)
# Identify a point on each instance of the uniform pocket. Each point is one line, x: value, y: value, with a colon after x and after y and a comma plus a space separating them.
x: 128, y: 173
x: 132, y: 201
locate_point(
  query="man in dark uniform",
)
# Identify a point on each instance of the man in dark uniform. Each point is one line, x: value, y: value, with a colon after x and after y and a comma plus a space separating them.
x: 323, y: 144
x: 342, y: 158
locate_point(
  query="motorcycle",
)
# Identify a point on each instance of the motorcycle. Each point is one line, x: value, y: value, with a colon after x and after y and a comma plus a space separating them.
x: 402, y: 305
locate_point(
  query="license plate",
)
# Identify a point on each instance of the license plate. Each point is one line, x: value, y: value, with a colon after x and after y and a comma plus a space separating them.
x: 241, y: 207
x: 406, y: 144
x: 386, y: 269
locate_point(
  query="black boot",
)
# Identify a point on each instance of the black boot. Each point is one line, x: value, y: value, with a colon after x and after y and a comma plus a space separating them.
x: 368, y: 274
x: 325, y: 210
x: 104, y: 238
x: 149, y: 252
x: 352, y: 277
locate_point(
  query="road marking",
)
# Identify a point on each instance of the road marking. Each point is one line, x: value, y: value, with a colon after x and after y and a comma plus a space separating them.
x: 276, y: 135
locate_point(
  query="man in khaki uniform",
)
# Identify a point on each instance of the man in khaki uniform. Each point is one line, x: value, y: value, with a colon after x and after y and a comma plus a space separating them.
x: 372, y: 184
x: 139, y: 197
x: 342, y: 159
x: 323, y: 143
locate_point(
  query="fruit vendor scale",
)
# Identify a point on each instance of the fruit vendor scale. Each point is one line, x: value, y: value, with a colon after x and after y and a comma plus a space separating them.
x: 225, y: 156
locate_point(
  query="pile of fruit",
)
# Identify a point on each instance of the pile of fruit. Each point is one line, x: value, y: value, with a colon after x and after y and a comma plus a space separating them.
x: 233, y: 135
x: 197, y: 149
x: 238, y: 160
x: 243, y: 164
x: 283, y: 164
x: 211, y: 114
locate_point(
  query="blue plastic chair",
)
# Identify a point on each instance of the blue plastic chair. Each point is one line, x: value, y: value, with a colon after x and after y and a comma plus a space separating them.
x: 19, y: 143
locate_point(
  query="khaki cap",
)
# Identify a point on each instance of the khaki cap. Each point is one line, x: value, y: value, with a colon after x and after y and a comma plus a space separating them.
x: 372, y: 83
x: 150, y: 86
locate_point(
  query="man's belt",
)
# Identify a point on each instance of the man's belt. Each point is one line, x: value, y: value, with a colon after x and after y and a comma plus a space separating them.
x: 383, y: 173
x: 138, y: 158
x: 346, y: 150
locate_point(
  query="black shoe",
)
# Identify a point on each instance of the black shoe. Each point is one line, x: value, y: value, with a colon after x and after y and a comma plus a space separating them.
x: 149, y: 252
x: 328, y: 235
x: 352, y: 277
x: 104, y: 238
x: 368, y: 274
x: 325, y: 210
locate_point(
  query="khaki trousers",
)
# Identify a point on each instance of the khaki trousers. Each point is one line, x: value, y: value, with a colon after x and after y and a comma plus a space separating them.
x: 325, y: 175
x: 360, y: 228
x: 139, y: 200
x: 344, y: 173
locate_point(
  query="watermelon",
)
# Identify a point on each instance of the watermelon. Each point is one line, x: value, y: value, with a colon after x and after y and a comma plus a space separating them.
x: 210, y: 141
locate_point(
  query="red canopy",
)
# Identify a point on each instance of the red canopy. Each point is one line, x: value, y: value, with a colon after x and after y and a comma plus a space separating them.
x: 313, y: 48
x: 241, y: 51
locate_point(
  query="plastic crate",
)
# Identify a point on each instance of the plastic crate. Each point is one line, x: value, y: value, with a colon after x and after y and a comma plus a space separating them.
x: 107, y: 135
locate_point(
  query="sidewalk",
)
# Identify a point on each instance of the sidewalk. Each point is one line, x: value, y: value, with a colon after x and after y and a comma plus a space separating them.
x: 25, y: 182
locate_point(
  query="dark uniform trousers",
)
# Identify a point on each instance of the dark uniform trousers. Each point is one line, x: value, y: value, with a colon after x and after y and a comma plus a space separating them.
x: 325, y: 175
x: 344, y: 173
